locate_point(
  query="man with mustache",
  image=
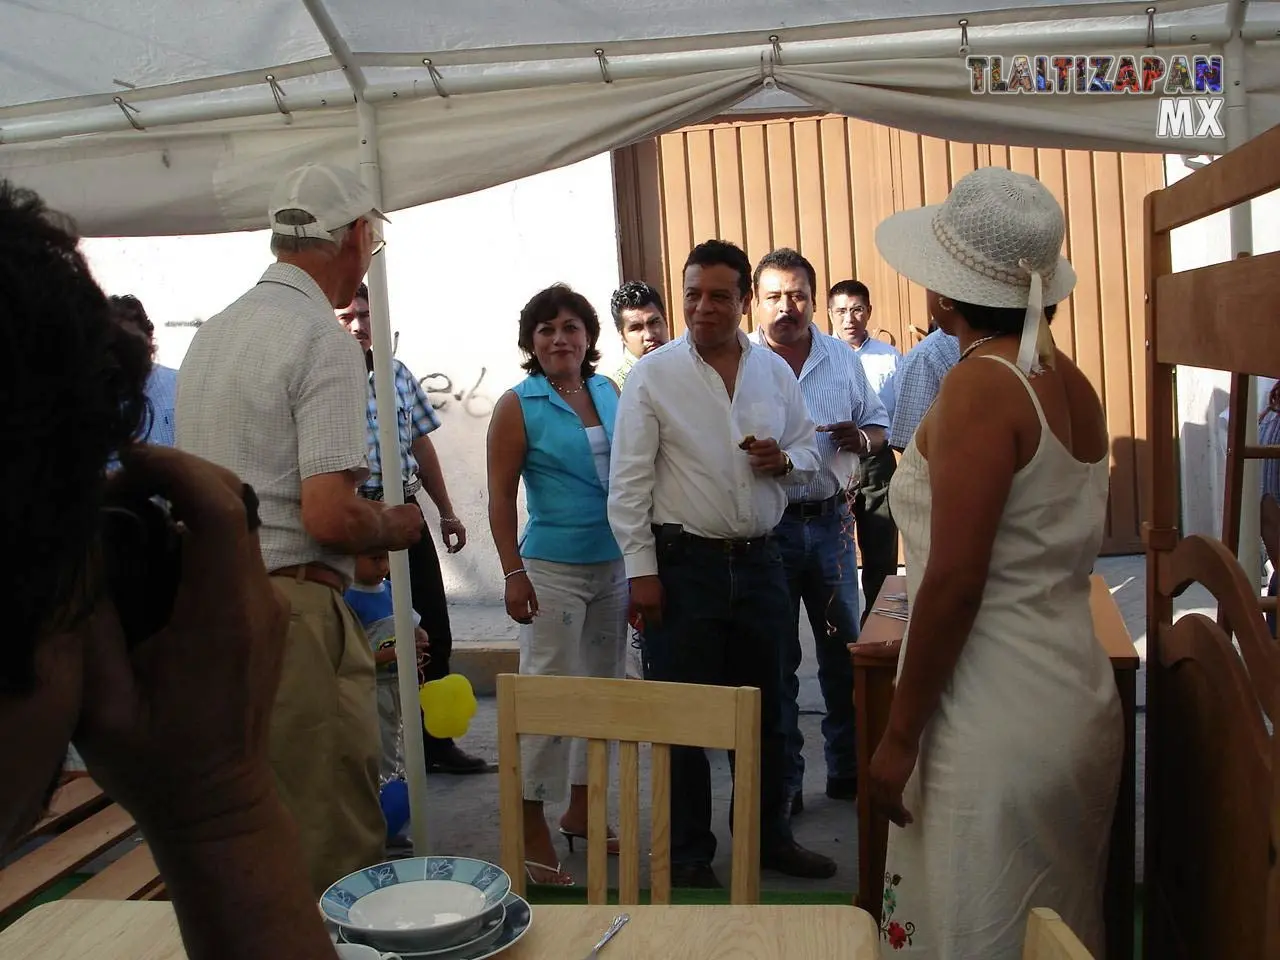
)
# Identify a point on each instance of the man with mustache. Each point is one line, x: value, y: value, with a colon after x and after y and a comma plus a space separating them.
x: 641, y: 320
x: 816, y: 531
x: 849, y: 308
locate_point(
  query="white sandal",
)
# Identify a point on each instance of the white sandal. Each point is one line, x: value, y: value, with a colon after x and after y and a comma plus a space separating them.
x: 562, y: 879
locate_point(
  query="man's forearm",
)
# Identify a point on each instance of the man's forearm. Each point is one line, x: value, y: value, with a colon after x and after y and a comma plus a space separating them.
x: 359, y: 526
x: 432, y: 475
x: 245, y: 894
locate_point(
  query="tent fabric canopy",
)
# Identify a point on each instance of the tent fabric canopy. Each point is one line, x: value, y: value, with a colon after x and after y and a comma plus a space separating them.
x: 144, y: 117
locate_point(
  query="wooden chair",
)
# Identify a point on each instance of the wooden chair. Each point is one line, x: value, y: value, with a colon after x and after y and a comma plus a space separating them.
x: 1212, y: 796
x: 1049, y: 938
x: 661, y: 714
x: 1213, y: 884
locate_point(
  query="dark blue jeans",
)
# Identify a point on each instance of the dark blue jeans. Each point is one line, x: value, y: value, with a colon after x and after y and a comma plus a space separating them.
x: 822, y: 573
x: 725, y: 612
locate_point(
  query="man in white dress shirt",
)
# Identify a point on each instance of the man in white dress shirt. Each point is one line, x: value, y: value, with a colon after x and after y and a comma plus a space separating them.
x: 706, y: 430
x: 816, y: 532
x: 849, y: 307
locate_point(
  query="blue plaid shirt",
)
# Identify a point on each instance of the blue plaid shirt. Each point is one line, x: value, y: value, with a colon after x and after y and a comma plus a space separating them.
x: 417, y: 419
x: 162, y: 392
x: 917, y: 383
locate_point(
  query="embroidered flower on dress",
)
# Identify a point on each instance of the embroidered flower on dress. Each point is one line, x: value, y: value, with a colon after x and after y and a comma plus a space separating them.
x: 897, y: 934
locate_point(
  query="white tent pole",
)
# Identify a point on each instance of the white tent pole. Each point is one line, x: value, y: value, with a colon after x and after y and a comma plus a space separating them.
x: 1236, y: 127
x: 155, y: 112
x: 388, y: 438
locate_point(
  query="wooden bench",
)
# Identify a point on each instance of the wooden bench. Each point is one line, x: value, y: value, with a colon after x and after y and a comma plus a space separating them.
x: 875, y: 664
x: 82, y: 824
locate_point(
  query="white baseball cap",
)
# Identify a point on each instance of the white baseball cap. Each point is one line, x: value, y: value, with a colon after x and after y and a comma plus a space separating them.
x: 328, y: 199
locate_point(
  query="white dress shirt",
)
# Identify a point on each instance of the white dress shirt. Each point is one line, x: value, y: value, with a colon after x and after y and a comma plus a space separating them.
x: 676, y: 448
x: 835, y: 389
x: 880, y: 361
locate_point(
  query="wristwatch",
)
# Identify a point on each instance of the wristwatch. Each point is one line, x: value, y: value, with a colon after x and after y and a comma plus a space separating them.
x: 788, y: 466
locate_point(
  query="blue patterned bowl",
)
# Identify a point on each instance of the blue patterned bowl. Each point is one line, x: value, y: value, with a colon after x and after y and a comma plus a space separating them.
x: 423, y: 903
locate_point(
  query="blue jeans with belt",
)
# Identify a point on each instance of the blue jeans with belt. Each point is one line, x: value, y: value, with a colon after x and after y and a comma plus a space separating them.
x: 817, y: 545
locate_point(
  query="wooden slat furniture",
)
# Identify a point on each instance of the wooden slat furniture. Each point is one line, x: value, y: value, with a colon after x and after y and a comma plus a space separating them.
x: 86, y: 825
x: 72, y: 802
x: 1212, y: 801
x: 1049, y: 938
x: 149, y: 931
x: 875, y: 662
x: 661, y: 714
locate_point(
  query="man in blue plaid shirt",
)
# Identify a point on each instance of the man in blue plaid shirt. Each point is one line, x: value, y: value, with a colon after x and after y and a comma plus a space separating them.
x: 420, y: 472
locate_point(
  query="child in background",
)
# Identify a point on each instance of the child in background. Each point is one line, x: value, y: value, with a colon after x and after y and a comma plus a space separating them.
x: 370, y: 599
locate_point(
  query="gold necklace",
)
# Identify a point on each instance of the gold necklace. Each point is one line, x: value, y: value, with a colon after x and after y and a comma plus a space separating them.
x: 568, y: 393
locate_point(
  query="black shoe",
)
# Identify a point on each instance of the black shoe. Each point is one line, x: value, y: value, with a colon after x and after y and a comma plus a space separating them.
x: 797, y: 804
x: 451, y: 759
x: 699, y: 875
x: 842, y: 788
x: 795, y: 861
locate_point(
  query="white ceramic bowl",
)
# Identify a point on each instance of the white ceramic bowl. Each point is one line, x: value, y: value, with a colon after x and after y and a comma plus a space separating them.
x: 422, y: 903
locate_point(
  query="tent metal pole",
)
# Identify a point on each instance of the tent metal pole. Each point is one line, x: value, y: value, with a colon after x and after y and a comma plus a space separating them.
x: 388, y: 438
x: 1236, y: 127
x: 156, y: 112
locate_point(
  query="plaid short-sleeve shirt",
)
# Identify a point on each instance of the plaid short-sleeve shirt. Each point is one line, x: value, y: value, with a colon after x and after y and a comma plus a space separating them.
x: 417, y: 418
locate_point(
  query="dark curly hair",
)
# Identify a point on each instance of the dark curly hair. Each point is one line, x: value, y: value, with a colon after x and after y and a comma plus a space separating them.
x: 633, y: 295
x: 545, y: 306
x: 75, y: 383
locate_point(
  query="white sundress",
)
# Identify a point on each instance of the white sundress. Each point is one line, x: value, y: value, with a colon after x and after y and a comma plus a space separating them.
x: 1014, y: 791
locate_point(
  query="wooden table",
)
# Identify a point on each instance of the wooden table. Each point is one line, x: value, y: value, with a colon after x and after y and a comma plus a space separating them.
x: 125, y: 930
x: 875, y: 663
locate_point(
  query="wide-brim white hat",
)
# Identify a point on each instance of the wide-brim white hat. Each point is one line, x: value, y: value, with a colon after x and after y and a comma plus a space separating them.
x: 982, y: 243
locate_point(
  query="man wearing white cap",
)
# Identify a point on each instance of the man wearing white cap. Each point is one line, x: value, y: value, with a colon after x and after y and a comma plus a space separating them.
x: 274, y: 390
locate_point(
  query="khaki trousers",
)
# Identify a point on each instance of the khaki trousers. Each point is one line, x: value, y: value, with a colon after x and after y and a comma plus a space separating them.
x: 325, y: 744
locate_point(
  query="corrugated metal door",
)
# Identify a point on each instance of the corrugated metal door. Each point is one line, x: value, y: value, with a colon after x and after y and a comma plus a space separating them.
x: 822, y: 184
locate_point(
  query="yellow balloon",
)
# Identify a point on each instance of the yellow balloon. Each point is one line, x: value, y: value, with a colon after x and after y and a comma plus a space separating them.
x: 448, y: 705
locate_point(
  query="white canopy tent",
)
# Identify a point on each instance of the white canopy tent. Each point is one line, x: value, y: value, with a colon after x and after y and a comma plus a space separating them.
x: 231, y: 93
x: 152, y: 117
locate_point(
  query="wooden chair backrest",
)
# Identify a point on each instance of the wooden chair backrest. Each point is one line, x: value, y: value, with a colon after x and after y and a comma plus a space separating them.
x: 1049, y: 938
x: 1212, y: 887
x: 662, y: 714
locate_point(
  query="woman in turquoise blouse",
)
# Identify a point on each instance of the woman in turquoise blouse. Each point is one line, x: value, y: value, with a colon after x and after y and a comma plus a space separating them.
x: 564, y: 577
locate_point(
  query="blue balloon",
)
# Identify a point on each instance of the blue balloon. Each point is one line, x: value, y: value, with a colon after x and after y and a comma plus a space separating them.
x: 395, y: 807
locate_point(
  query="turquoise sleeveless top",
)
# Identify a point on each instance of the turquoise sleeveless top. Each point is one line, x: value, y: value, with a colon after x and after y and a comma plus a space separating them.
x: 568, y: 505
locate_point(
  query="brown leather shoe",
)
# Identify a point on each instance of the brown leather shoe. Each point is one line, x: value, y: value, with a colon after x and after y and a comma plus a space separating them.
x: 795, y: 861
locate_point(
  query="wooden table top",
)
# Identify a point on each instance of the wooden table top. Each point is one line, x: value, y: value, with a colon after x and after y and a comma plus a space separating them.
x: 77, y: 929
x: 881, y: 636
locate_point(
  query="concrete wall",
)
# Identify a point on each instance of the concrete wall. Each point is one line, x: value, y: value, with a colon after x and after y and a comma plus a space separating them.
x: 459, y: 272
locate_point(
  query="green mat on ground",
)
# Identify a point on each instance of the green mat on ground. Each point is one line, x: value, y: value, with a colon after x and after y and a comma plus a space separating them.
x: 56, y: 892
x: 539, y: 894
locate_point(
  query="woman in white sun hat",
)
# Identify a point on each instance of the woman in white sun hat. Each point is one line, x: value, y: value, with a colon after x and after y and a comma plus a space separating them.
x: 1001, y: 762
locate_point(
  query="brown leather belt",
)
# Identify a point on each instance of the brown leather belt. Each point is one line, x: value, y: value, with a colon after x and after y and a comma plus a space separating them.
x: 315, y: 573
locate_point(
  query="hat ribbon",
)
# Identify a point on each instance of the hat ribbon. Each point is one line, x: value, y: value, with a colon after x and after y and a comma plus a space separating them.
x: 1035, y: 350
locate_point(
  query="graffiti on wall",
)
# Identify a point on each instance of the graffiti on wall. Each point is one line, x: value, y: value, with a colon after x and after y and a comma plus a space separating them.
x: 443, y: 396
